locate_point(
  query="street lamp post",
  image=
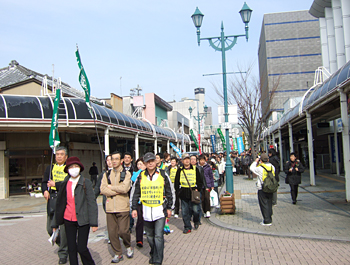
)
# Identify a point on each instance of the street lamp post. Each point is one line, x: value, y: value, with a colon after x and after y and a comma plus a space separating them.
x: 199, y: 118
x: 223, y: 44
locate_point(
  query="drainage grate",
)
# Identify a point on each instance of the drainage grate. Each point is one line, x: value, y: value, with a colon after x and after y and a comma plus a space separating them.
x: 12, y: 217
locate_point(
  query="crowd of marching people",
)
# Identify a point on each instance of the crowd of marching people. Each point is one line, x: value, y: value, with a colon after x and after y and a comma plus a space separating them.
x: 149, y: 191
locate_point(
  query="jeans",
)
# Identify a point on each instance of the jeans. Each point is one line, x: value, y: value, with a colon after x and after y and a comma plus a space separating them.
x: 74, y: 247
x: 188, y: 209
x: 155, y: 236
x: 265, y: 203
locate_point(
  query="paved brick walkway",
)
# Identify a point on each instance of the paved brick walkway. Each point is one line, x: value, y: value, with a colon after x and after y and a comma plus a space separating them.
x: 321, y: 211
x: 322, y: 214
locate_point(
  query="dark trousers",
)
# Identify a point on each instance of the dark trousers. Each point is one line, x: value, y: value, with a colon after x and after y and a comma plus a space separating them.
x: 188, y: 209
x: 294, y: 191
x: 265, y: 203
x: 246, y: 171
x: 72, y: 229
x: 155, y: 237
x: 205, y: 200
x: 93, y: 180
x: 177, y: 204
x: 139, y: 224
x: 62, y: 240
x: 118, y: 225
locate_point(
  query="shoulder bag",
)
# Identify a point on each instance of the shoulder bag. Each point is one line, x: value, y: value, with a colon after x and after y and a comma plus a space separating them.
x: 195, y: 194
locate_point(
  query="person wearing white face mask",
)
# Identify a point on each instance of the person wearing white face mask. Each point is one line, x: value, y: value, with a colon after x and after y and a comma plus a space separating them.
x: 76, y: 208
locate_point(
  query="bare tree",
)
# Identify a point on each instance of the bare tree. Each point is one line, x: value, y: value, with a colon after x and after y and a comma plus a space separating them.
x: 246, y: 91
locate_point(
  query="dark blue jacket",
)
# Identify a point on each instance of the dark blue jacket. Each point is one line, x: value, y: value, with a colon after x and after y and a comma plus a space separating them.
x: 208, y: 174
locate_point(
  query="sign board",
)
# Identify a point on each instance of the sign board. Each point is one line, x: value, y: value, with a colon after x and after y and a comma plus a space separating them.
x: 226, y: 125
x: 340, y: 125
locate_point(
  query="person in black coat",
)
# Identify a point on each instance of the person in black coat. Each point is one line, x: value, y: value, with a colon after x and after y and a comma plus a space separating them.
x: 76, y: 208
x: 275, y: 161
x: 93, y: 173
x: 293, y: 169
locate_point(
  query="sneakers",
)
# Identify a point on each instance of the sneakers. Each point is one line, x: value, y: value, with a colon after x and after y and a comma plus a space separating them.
x: 176, y: 216
x: 262, y: 223
x: 139, y: 244
x: 207, y: 215
x: 186, y: 231
x: 129, y: 252
x: 117, y: 258
x: 196, y: 226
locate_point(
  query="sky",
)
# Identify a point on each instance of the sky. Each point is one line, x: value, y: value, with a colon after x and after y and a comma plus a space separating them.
x: 122, y: 44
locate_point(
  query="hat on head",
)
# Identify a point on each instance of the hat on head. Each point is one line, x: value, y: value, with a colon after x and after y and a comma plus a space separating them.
x: 73, y: 160
x: 185, y: 155
x: 149, y: 156
x: 264, y: 157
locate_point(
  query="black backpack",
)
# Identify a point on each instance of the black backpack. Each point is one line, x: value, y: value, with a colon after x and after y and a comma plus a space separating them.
x: 270, y: 184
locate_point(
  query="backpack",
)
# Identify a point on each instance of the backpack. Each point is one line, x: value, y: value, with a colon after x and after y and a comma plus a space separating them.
x: 270, y: 184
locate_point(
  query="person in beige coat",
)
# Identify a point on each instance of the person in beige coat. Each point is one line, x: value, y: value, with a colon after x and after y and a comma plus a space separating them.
x: 116, y: 186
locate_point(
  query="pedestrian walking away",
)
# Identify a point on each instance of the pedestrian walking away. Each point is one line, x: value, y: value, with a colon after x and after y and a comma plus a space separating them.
x: 275, y: 161
x: 293, y: 169
x: 153, y: 187
x: 53, y: 177
x: 77, y: 209
x: 260, y: 167
x: 93, y: 173
x: 116, y: 187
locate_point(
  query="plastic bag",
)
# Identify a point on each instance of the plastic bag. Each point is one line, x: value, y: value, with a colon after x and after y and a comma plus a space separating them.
x: 214, y: 200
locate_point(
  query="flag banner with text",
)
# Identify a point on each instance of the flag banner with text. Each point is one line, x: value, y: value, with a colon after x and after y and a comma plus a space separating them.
x: 54, y: 138
x: 213, y: 142
x: 177, y: 150
x: 84, y: 82
x: 240, y: 145
x: 222, y: 138
x: 194, y: 139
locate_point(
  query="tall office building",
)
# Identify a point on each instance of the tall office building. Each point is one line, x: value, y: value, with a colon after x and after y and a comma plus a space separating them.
x: 289, y: 53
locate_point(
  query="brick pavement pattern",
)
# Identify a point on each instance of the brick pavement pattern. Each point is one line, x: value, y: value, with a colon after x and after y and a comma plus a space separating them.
x: 25, y: 241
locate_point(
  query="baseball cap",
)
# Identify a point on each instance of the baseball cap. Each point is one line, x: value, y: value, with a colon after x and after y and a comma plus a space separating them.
x: 149, y: 156
x: 264, y: 157
x: 185, y: 155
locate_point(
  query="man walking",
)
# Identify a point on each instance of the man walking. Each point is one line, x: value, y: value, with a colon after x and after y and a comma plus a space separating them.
x: 260, y: 167
x: 116, y: 186
x: 50, y: 187
x: 183, y: 189
x: 153, y: 188
x: 246, y: 160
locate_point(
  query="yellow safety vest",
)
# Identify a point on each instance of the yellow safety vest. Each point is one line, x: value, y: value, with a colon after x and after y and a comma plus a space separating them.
x: 173, y: 174
x: 151, y: 191
x: 58, y: 174
x: 268, y: 168
x: 191, y: 176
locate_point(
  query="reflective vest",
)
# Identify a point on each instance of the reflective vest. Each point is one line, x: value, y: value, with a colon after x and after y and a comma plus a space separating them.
x: 173, y: 174
x: 151, y: 191
x: 58, y: 174
x: 191, y: 176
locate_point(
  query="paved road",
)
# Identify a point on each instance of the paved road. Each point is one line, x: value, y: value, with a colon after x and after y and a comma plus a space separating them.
x: 24, y: 241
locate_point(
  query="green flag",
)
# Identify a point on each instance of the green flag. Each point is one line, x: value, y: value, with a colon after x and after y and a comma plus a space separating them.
x: 54, y: 138
x: 194, y: 139
x: 235, y: 148
x: 84, y: 82
x: 222, y: 138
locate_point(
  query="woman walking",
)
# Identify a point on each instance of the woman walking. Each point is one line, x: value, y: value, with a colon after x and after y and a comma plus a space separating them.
x: 76, y: 208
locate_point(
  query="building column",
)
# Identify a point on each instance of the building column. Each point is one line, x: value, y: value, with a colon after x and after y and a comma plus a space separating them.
x: 324, y: 43
x: 335, y: 127
x: 273, y: 140
x: 137, y: 153
x: 345, y: 8
x: 331, y: 40
x: 168, y: 146
x: 339, y: 33
x: 311, y: 148
x: 106, y: 141
x: 291, y: 146
x: 155, y: 146
x: 4, y: 172
x: 280, y: 148
x: 346, y: 147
